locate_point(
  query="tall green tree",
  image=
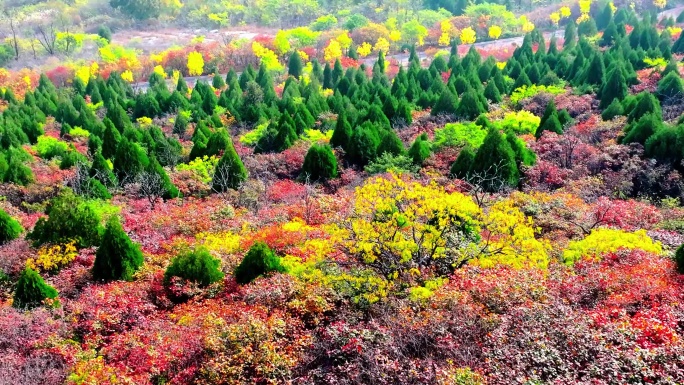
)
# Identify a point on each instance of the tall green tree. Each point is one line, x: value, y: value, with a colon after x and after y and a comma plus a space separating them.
x: 9, y: 227
x: 319, y: 163
x: 117, y: 258
x: 295, y: 66
x: 32, y: 290
x: 259, y: 260
x: 495, y: 162
x: 230, y: 172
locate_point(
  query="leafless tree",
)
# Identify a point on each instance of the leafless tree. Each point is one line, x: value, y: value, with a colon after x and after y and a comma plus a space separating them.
x: 47, y: 36
x: 13, y: 22
x: 150, y: 185
x: 485, y: 184
x: 80, y: 182
x: 169, y: 156
x: 310, y: 198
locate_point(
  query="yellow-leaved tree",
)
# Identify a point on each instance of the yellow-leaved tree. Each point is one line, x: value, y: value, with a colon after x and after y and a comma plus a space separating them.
x: 344, y: 40
x: 403, y: 229
x: 604, y: 240
x: 382, y: 45
x: 445, y: 38
x: 494, y: 32
x: 565, y: 12
x: 555, y: 18
x: 268, y: 57
x: 509, y: 239
x: 468, y: 36
x: 398, y: 226
x: 333, y: 51
x: 281, y: 43
x: 195, y: 63
x: 127, y: 76
x: 364, y: 49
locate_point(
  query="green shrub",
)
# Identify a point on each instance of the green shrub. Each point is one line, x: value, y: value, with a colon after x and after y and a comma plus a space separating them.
x: 197, y: 266
x: 320, y: 163
x: 679, y: 259
x: 49, y: 147
x: 459, y: 134
x: 69, y: 218
x: 9, y: 228
x: 32, y: 290
x: 259, y: 260
x: 389, y: 162
x: 117, y: 257
x: 105, y: 33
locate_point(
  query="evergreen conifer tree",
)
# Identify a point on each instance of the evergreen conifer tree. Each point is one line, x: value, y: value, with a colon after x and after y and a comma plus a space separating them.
x: 470, y: 106
x: 342, y: 133
x: 420, y: 149
x: 258, y: 261
x: 464, y: 162
x: 9, y: 228
x: 32, y: 290
x: 295, y: 66
x: 319, y: 163
x: 230, y: 171
x: 615, y: 87
x: 495, y: 160
x: 670, y: 87
x: 117, y: 258
x: 446, y: 105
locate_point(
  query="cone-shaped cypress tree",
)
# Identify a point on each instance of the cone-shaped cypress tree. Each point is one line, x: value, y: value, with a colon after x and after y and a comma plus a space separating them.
x: 342, y: 133
x: 678, y: 46
x: 259, y: 260
x: 548, y: 111
x: 594, y: 72
x: 319, y: 163
x: 420, y: 149
x: 613, y: 110
x: 492, y: 93
x: 642, y: 129
x: 461, y: 167
x: 364, y: 144
x: 129, y: 161
x: 9, y: 227
x: 670, y: 86
x: 32, y: 290
x: 522, y: 80
x: 446, y: 105
x: 570, y: 34
x: 609, y: 35
x: 110, y: 140
x: 217, y: 82
x: 587, y: 28
x: 551, y: 124
x: 230, y: 171
x: 496, y: 160
x: 604, y: 17
x: 117, y: 258
x: 217, y: 143
x: 170, y: 191
x: 295, y: 66
x: 390, y: 142
x: 646, y: 104
x: 470, y: 106
x: 614, y: 88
